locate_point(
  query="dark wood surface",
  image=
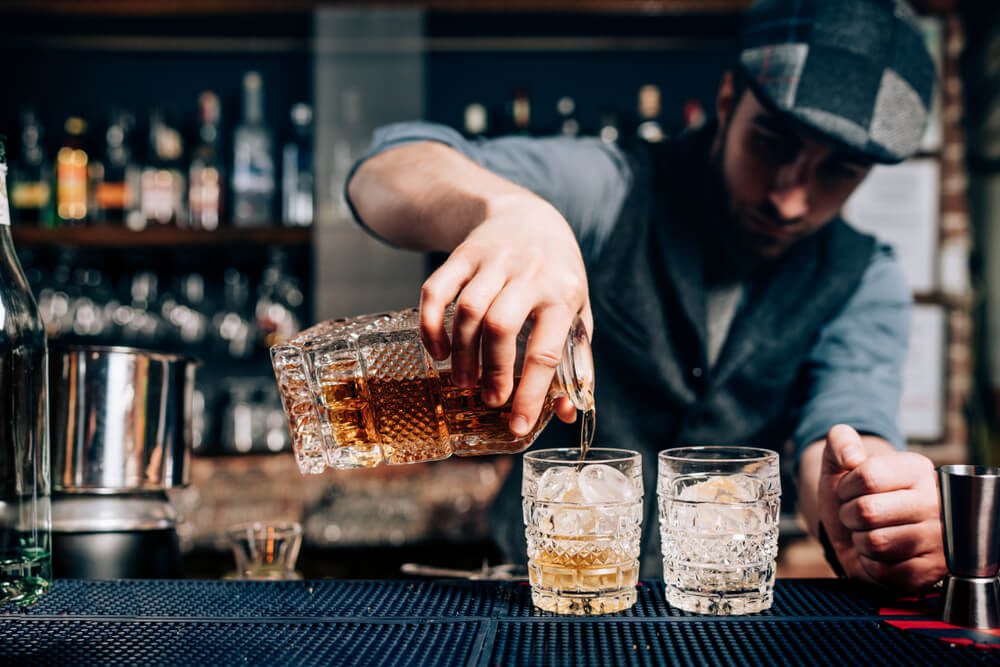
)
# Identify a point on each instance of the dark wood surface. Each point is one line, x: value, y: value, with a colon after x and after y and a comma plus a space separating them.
x: 117, y: 237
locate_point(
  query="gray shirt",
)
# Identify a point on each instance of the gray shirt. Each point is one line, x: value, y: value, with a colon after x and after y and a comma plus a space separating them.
x: 855, y: 366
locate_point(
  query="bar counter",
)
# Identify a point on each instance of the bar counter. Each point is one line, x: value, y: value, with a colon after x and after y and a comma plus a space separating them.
x: 447, y: 622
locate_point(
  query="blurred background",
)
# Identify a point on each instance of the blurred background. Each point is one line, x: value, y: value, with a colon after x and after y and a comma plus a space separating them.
x: 176, y: 181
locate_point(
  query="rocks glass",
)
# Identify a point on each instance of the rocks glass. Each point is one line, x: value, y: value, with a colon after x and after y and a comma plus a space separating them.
x: 719, y: 511
x: 266, y: 550
x: 583, y: 526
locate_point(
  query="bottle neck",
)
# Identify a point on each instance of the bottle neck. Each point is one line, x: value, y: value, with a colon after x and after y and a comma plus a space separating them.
x: 253, y: 107
x: 4, y: 203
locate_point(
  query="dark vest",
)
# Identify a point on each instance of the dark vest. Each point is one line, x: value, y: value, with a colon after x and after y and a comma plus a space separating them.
x: 654, y: 389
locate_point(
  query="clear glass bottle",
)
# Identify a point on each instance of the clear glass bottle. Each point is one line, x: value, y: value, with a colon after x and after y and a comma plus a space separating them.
x: 569, y: 126
x: 162, y: 179
x: 26, y: 522
x: 205, y: 176
x: 116, y: 185
x: 363, y: 391
x: 297, y: 170
x: 253, y: 164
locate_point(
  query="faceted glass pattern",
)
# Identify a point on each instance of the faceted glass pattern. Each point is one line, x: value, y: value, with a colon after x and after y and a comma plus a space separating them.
x: 583, y: 524
x: 718, y: 509
x: 363, y: 391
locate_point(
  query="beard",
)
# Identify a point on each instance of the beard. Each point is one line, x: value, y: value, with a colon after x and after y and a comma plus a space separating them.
x: 729, y: 253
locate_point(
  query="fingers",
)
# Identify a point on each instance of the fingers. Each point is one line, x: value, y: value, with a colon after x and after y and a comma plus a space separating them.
x: 501, y: 328
x: 910, y: 575
x: 844, y: 450
x: 565, y: 410
x: 471, y: 310
x: 542, y: 354
x: 881, y: 474
x: 436, y: 293
x: 894, y: 508
x: 898, y: 543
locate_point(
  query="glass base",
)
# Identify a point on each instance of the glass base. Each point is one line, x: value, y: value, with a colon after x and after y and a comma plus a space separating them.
x: 25, y: 578
x: 720, y: 604
x: 583, y: 604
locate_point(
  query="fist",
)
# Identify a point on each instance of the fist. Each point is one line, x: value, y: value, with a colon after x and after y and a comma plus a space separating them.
x: 881, y: 513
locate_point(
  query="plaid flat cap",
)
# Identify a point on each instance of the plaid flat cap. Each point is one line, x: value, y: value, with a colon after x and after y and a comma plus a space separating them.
x: 856, y: 71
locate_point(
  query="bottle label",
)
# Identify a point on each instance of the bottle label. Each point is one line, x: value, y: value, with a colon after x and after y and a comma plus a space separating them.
x: 112, y: 196
x: 71, y: 184
x: 26, y: 195
x: 4, y: 207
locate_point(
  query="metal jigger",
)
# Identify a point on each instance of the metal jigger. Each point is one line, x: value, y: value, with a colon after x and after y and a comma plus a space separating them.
x: 970, y: 525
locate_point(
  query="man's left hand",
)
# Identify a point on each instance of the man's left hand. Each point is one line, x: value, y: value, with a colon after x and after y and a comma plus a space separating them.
x: 881, y: 512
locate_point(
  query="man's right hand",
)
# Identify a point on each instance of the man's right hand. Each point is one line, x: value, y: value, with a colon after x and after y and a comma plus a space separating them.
x: 880, y: 511
x: 522, y: 262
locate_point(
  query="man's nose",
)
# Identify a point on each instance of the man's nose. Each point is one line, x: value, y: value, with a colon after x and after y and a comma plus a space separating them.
x: 791, y: 202
x: 790, y: 192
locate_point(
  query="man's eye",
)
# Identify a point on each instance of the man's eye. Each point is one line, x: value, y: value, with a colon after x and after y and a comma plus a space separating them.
x: 841, y: 171
x: 774, y: 147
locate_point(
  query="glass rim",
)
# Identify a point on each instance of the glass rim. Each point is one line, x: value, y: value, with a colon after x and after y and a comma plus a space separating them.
x: 676, y: 454
x: 548, y: 455
x: 964, y: 470
x: 282, y: 527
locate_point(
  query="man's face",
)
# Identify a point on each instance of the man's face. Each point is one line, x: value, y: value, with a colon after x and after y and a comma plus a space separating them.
x: 782, y: 185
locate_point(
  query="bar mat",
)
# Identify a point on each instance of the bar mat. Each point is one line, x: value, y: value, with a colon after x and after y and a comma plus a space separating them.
x: 445, y: 623
x: 923, y: 615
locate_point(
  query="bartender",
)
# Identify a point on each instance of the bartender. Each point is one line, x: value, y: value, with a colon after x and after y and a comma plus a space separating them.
x: 733, y: 304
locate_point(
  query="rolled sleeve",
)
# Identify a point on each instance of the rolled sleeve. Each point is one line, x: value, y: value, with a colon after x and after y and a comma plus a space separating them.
x: 855, y: 368
x: 586, y: 180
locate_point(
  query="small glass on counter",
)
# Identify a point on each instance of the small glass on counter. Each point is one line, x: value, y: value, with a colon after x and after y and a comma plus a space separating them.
x: 583, y: 526
x: 719, y: 511
x: 266, y: 550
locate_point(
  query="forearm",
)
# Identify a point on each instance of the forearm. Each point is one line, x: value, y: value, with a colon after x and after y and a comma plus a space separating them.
x: 427, y: 196
x: 810, y: 465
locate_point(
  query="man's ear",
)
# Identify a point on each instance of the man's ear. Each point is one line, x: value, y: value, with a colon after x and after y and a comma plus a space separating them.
x: 724, y: 101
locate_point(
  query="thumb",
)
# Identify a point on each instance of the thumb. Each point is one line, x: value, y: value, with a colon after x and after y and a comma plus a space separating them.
x: 844, y: 450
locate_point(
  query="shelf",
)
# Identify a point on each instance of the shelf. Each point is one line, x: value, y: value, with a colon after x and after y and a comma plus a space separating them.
x: 206, y: 7
x: 220, y: 7
x: 117, y: 237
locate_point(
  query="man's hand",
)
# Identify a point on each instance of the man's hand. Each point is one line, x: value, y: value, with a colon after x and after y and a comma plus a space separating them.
x: 522, y: 262
x: 881, y: 512
x: 513, y: 258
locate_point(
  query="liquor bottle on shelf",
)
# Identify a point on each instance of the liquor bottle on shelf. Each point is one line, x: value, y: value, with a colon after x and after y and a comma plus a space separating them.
x: 569, y: 126
x: 253, y: 164
x: 26, y: 522
x: 162, y: 186
x: 205, y: 176
x: 694, y: 114
x: 649, y: 128
x: 297, y: 170
x: 116, y: 178
x: 231, y: 325
x: 476, y: 120
x: 278, y: 300
x: 31, y: 177
x: 609, y: 131
x: 71, y: 173
x: 520, y: 111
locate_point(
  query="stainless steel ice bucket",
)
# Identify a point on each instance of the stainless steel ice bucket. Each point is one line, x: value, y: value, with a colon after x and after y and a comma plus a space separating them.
x: 121, y: 419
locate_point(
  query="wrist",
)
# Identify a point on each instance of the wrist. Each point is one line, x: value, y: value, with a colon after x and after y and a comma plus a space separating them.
x: 829, y: 553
